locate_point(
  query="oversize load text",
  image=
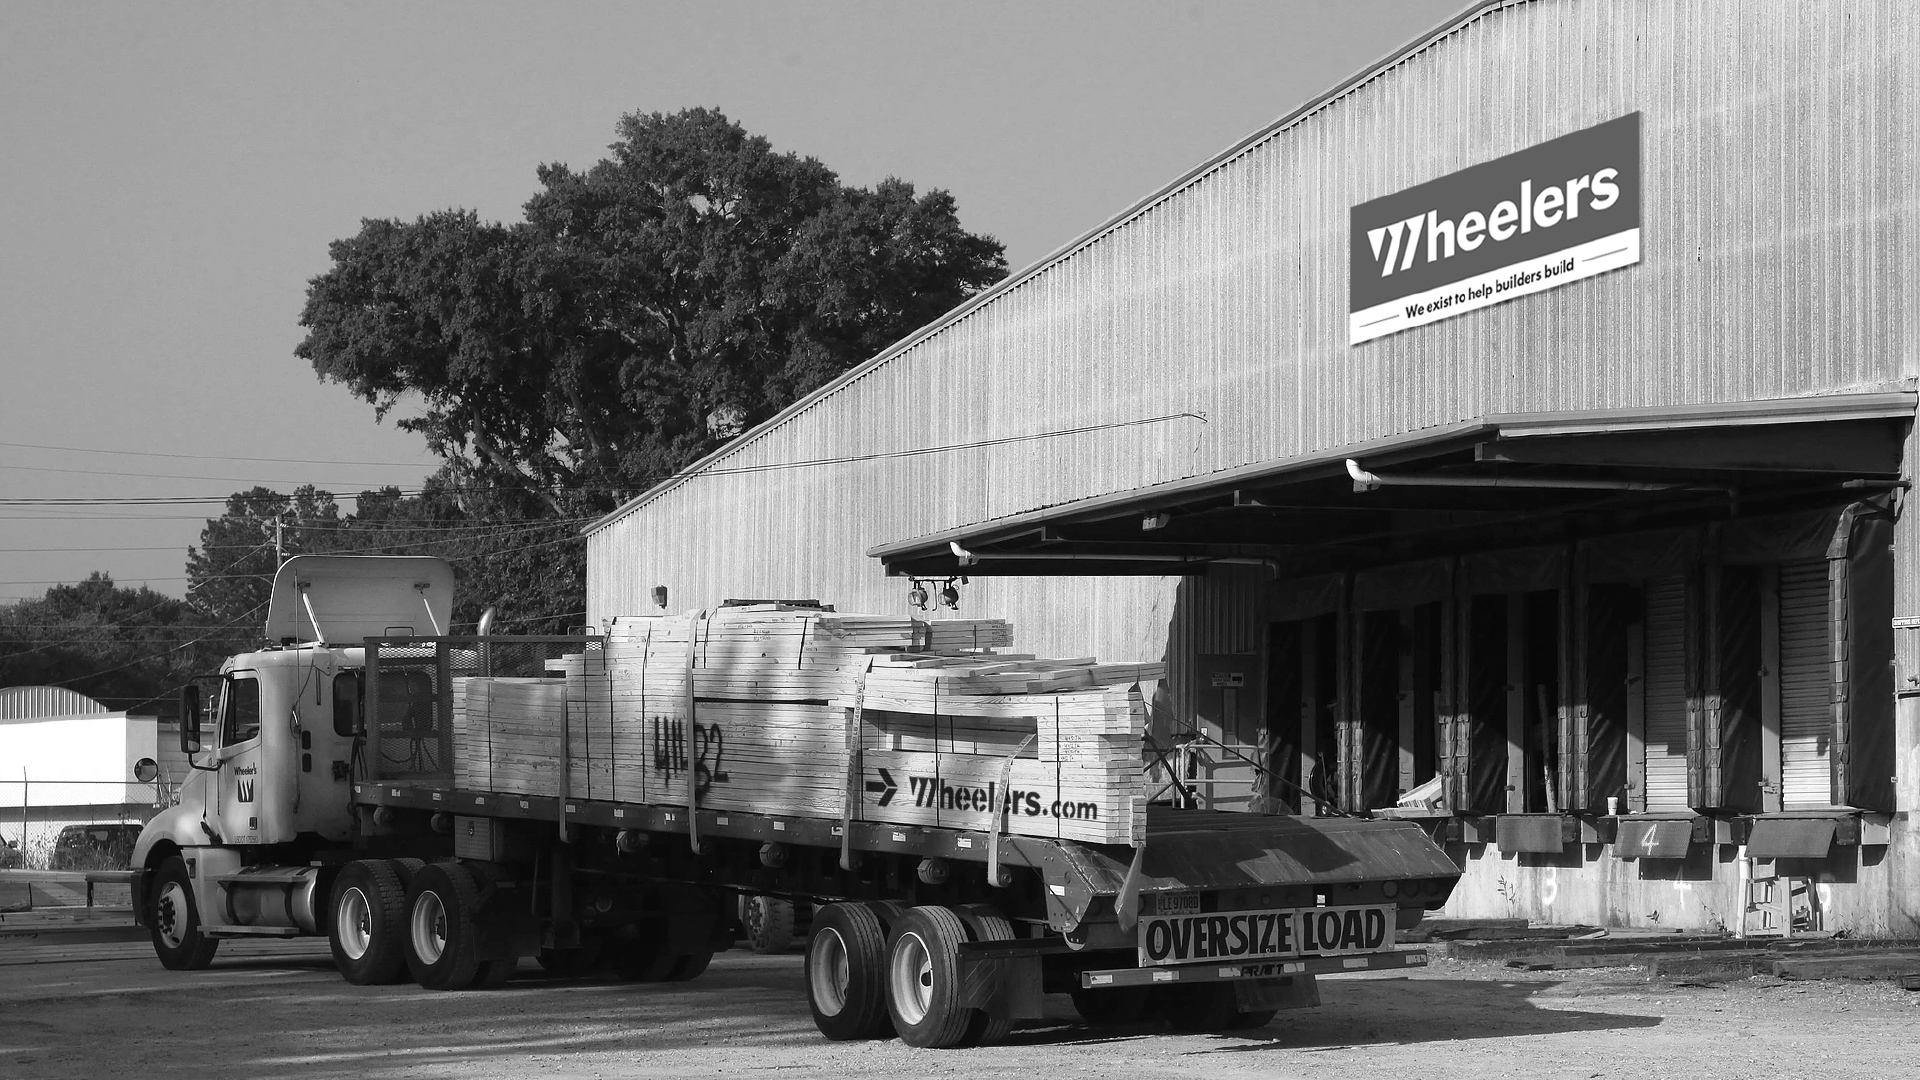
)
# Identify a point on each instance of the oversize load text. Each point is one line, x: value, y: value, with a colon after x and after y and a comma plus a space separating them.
x: 1241, y: 935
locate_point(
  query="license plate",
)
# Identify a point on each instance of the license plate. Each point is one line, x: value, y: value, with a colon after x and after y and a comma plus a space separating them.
x: 1257, y: 935
x: 1173, y: 903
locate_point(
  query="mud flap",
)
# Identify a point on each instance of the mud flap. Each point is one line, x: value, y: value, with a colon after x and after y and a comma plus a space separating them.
x: 1290, y: 992
x: 1005, y: 989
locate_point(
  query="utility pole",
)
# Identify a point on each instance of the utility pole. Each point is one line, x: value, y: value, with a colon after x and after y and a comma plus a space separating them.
x: 279, y: 548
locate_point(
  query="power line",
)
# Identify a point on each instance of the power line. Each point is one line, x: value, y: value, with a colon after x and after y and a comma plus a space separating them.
x: 177, y: 476
x: 650, y: 479
x: 206, y: 457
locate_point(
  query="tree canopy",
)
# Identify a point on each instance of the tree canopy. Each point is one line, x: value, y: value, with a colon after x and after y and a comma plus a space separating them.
x: 646, y: 309
x: 127, y: 648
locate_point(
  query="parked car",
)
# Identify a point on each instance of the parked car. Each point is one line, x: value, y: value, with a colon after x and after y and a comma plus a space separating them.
x: 94, y: 847
x: 10, y: 858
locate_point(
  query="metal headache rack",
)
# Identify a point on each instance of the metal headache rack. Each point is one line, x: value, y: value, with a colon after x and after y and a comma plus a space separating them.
x: 409, y: 699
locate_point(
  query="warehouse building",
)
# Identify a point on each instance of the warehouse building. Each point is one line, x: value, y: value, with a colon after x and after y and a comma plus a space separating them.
x: 1519, y: 431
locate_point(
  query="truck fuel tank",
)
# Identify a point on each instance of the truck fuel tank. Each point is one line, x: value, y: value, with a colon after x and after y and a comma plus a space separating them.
x: 277, y: 896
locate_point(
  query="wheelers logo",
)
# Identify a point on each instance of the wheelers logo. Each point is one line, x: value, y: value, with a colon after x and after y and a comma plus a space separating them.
x: 1547, y: 216
x: 1254, y: 935
x: 243, y: 790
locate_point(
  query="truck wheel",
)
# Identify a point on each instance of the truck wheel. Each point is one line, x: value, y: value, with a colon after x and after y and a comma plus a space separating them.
x: 985, y: 923
x: 367, y: 925
x: 495, y: 973
x: 643, y: 957
x: 1113, y: 1007
x: 923, y: 979
x: 689, y: 966
x: 442, y: 950
x: 1197, y: 1007
x: 846, y: 973
x: 769, y: 924
x: 175, y: 921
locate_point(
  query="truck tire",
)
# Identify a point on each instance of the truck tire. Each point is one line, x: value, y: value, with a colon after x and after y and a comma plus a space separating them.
x: 366, y: 923
x: 443, y: 950
x: 985, y: 923
x: 642, y: 957
x: 923, y: 979
x: 846, y: 968
x: 768, y: 922
x: 689, y: 966
x: 1111, y: 1008
x: 174, y: 920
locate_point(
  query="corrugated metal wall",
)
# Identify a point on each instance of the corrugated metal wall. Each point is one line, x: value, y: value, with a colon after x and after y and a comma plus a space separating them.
x: 1779, y: 260
x: 40, y: 702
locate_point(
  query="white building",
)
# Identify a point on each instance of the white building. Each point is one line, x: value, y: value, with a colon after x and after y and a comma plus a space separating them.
x: 67, y: 759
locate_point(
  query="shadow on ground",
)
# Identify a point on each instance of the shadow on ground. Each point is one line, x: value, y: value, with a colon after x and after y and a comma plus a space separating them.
x: 302, y: 1023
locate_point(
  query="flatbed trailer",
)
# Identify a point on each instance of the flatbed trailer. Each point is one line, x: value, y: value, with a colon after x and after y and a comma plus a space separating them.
x: 945, y: 936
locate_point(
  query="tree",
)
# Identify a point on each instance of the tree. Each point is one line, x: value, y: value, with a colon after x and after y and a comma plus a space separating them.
x: 127, y: 648
x: 530, y: 570
x: 646, y: 310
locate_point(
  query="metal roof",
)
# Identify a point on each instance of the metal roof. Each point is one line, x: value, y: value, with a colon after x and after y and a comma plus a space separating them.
x: 1012, y: 281
x: 1551, y: 460
x: 40, y: 702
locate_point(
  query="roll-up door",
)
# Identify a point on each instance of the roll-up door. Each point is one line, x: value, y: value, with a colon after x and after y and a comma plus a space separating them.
x: 1806, y: 693
x: 1666, y: 709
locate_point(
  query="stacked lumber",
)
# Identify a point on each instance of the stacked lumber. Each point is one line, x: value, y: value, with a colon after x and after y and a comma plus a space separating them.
x: 795, y: 710
x: 506, y: 734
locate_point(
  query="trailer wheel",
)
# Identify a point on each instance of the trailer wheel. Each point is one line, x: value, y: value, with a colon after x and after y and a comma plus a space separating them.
x: 641, y: 956
x: 769, y: 924
x: 175, y: 921
x: 689, y: 966
x: 442, y: 950
x: 1198, y: 1007
x: 923, y: 979
x: 846, y: 972
x: 985, y: 923
x: 1113, y: 1007
x: 367, y: 925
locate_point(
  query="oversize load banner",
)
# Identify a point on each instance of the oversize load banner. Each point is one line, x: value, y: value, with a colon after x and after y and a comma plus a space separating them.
x: 1547, y: 216
x: 1258, y: 935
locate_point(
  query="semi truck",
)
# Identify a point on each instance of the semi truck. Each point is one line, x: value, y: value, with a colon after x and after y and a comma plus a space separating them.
x: 323, y: 802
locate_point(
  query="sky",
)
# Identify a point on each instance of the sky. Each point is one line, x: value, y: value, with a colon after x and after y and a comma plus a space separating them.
x: 172, y: 174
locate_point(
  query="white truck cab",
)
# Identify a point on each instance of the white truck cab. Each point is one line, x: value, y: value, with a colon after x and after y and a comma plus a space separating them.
x: 273, y: 740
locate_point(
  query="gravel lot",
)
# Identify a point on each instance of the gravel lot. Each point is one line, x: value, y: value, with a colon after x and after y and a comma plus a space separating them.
x: 277, y: 1010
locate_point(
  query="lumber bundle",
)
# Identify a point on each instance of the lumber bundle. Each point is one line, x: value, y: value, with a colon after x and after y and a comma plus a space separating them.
x: 797, y: 710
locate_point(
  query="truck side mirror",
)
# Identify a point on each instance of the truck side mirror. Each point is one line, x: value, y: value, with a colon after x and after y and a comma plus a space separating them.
x: 146, y: 770
x: 193, y: 715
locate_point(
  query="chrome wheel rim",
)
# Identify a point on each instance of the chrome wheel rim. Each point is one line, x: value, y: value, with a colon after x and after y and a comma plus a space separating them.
x: 829, y: 972
x: 429, y: 927
x: 911, y: 978
x: 170, y: 910
x: 353, y: 923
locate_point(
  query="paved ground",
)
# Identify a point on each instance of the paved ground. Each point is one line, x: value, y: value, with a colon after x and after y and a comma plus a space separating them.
x: 278, y: 1010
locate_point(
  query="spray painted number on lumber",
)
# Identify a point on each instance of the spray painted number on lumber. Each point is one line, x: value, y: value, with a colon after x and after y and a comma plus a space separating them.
x: 670, y: 752
x: 1252, y: 935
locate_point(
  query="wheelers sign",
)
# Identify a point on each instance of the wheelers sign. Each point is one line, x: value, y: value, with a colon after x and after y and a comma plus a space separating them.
x: 1547, y: 216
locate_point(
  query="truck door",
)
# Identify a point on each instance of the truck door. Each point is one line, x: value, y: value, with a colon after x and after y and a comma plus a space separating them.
x: 240, y: 759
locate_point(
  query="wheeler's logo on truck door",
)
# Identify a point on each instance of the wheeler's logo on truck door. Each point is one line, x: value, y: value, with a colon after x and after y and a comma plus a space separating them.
x: 1546, y: 216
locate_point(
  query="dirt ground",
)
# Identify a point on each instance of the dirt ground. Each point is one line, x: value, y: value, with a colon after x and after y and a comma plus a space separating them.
x: 279, y: 1011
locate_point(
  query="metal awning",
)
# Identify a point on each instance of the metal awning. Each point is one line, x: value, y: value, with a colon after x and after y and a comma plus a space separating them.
x: 1514, y: 478
x: 1790, y: 836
